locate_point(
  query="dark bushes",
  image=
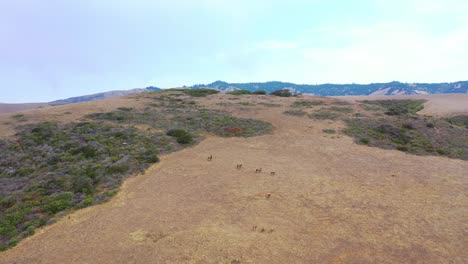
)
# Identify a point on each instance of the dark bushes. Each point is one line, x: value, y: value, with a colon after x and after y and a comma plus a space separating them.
x: 182, y: 136
x: 398, y: 107
x: 282, y: 93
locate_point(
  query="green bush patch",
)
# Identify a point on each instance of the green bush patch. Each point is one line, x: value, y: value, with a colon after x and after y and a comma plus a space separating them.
x: 329, y: 131
x: 306, y: 103
x: 323, y: 114
x: 239, y: 92
x: 460, y: 120
x: 52, y: 168
x: 295, y: 112
x: 282, y: 93
x: 395, y: 107
x: 410, y: 134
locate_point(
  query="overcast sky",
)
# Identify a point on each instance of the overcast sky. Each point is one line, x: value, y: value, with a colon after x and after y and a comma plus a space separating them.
x: 53, y: 49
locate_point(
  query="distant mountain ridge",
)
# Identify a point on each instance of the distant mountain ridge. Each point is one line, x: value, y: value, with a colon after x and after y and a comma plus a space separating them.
x: 391, y: 88
x: 104, y: 95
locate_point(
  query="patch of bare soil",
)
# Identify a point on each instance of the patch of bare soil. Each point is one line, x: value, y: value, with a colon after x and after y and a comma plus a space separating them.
x: 329, y: 200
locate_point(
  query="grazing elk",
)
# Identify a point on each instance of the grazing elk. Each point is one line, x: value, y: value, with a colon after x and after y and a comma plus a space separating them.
x: 210, y: 157
x: 254, y: 228
x: 239, y: 166
x: 258, y: 170
x: 272, y: 173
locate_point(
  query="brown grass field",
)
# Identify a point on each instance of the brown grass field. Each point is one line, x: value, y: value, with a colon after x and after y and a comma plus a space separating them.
x: 330, y: 200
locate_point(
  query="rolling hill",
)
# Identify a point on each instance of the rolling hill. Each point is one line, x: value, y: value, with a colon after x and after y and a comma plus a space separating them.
x: 341, y: 181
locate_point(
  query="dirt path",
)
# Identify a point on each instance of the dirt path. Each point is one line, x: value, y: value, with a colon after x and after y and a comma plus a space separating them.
x: 330, y: 201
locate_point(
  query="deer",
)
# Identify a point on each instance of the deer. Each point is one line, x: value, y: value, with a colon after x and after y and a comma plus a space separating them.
x: 258, y: 170
x: 239, y: 166
x: 210, y: 157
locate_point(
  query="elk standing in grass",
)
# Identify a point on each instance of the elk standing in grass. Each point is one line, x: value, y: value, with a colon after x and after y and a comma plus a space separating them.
x: 210, y: 157
x: 239, y: 166
x: 258, y: 170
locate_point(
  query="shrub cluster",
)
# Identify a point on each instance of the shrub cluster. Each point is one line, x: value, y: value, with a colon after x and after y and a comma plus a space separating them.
x: 282, y: 93
x: 51, y: 168
x: 396, y: 107
x: 182, y: 136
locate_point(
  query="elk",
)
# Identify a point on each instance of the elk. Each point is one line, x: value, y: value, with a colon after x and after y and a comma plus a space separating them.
x: 258, y: 170
x: 272, y: 173
x: 210, y: 157
x: 254, y: 228
x: 239, y: 166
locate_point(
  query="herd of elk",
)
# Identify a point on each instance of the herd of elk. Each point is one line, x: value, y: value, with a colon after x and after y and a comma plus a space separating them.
x: 239, y: 166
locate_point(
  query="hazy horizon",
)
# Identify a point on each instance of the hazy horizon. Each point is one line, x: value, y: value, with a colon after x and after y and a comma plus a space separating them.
x: 55, y: 50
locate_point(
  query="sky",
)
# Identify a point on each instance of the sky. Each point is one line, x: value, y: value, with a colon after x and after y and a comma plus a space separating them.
x: 55, y: 49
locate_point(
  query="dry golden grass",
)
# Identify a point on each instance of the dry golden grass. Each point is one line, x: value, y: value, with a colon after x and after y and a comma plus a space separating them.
x: 330, y: 201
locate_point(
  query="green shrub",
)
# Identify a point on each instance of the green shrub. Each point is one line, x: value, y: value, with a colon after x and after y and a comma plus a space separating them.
x: 117, y: 169
x: 460, y: 120
x: 364, y: 140
x: 270, y: 105
x: 57, y: 202
x: 341, y: 109
x: 87, y: 151
x: 125, y: 109
x: 239, y: 92
x: 182, y: 136
x: 306, y: 103
x: 323, y: 115
x: 295, y: 112
x: 200, y: 92
x: 329, y: 131
x: 282, y: 93
x: 260, y: 92
x: 398, y: 107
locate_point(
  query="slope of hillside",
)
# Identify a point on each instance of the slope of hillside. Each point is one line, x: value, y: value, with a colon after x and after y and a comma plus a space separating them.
x: 10, y: 108
x: 101, y: 96
x: 392, y: 88
x: 329, y: 200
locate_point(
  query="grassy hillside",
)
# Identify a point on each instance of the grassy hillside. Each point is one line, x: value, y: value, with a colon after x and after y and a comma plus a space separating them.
x: 49, y: 167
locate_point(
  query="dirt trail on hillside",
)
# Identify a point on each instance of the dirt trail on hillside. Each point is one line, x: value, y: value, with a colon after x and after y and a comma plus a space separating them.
x: 330, y: 201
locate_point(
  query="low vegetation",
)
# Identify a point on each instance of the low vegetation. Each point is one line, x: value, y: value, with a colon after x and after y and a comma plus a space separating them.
x: 239, y: 92
x: 295, y: 112
x: 51, y: 168
x: 402, y: 129
x: 324, y: 114
x: 460, y: 120
x: 306, y: 103
x: 282, y: 93
x: 329, y: 131
x: 175, y: 113
x: 196, y: 92
x: 395, y: 107
x: 269, y: 104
